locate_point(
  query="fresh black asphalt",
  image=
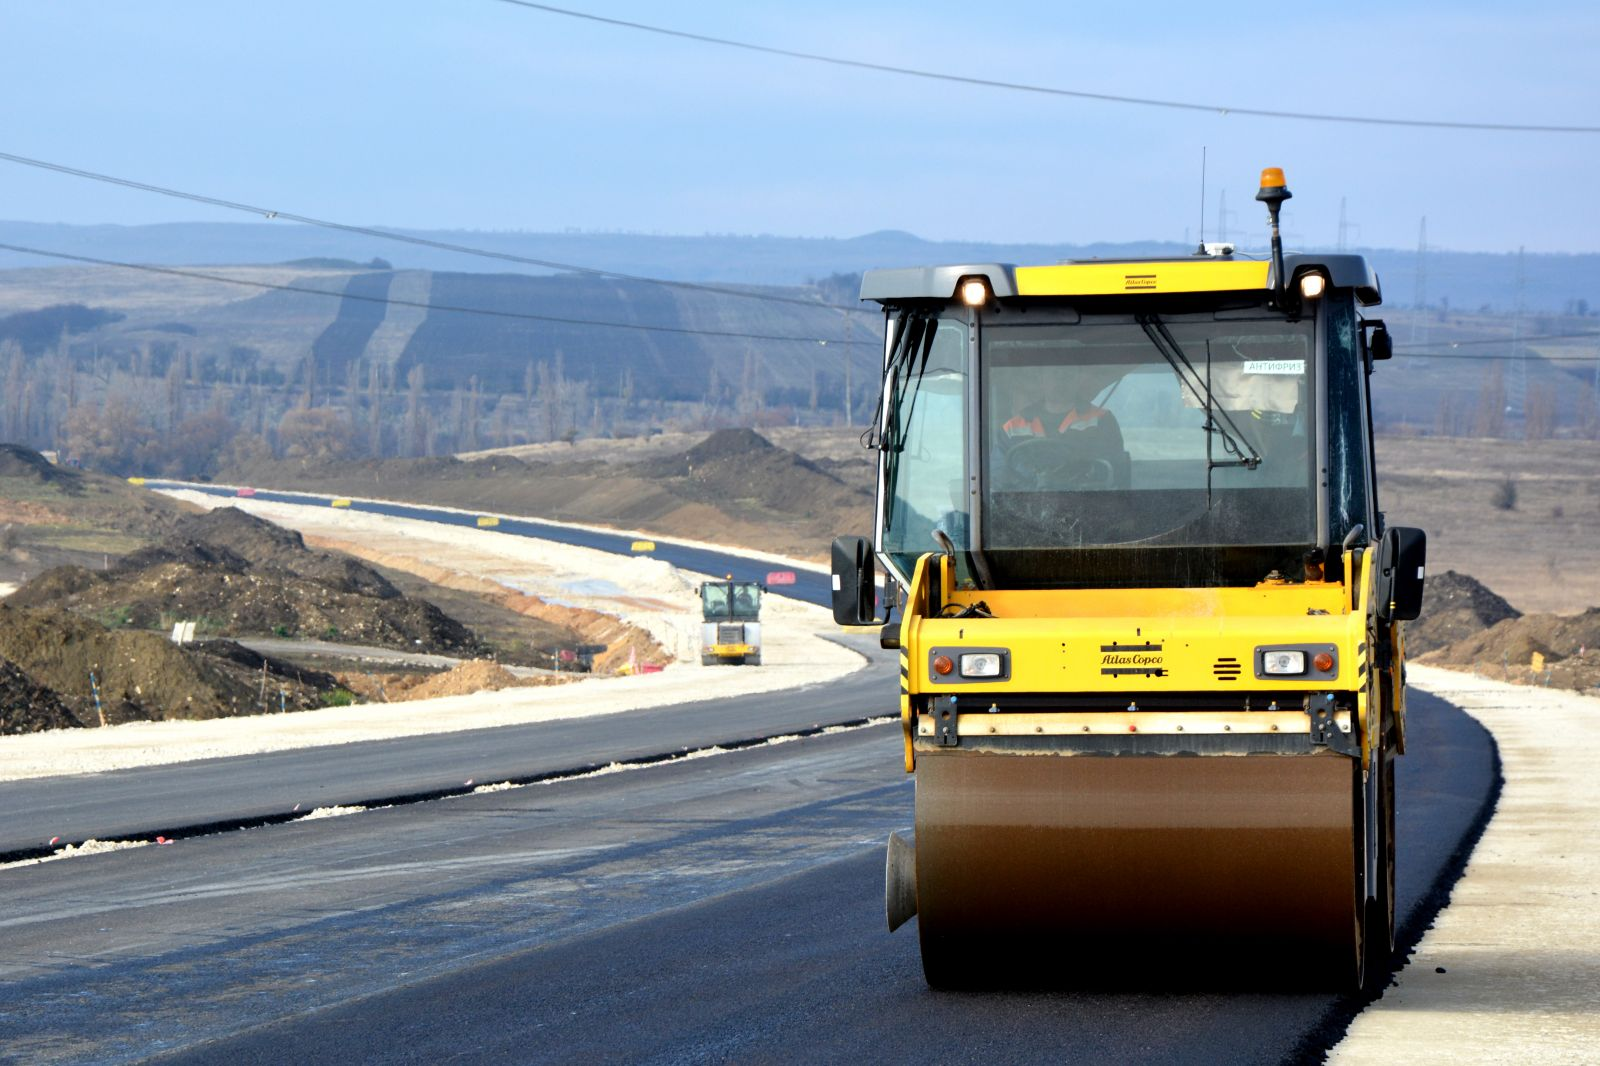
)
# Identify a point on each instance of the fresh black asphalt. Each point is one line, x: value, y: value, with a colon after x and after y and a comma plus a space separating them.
x: 799, y: 967
x: 721, y: 909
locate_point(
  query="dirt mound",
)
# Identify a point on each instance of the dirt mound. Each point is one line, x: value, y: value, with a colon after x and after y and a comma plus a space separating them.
x: 21, y: 462
x: 732, y: 487
x: 229, y: 537
x: 143, y: 676
x: 1466, y: 626
x: 1454, y: 608
x: 743, y: 473
x: 235, y: 575
x: 730, y: 444
x: 478, y: 675
x: 26, y: 707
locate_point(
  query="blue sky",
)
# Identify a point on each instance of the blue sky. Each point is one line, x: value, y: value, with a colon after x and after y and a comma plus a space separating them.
x: 477, y: 114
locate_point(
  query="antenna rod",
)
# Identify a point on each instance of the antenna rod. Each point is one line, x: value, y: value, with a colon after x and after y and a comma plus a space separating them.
x: 1202, y: 249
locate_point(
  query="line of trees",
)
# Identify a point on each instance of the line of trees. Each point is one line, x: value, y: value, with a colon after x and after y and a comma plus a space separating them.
x: 163, y: 410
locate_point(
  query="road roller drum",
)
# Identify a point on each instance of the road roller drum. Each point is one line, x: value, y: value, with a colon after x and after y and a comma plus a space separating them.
x: 1028, y: 863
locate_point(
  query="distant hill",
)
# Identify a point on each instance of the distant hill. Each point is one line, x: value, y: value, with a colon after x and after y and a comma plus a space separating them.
x: 1464, y: 281
x: 704, y: 344
x: 335, y: 355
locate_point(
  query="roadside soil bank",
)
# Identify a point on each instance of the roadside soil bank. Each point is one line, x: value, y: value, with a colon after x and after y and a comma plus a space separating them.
x: 236, y: 575
x: 796, y: 653
x: 477, y: 675
x: 1510, y: 969
x: 101, y: 676
x: 1465, y: 626
x: 55, y: 515
x: 731, y: 488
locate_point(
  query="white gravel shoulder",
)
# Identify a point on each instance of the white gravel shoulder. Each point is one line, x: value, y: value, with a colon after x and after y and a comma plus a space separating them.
x: 643, y: 591
x: 1510, y: 971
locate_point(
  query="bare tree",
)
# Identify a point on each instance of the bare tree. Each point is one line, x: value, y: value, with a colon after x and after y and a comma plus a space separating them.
x: 1540, y: 413
x: 1490, y: 418
x: 416, y: 415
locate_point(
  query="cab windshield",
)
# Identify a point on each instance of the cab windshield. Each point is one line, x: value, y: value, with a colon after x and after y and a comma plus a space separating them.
x: 1109, y: 449
x: 1155, y: 430
x: 740, y: 599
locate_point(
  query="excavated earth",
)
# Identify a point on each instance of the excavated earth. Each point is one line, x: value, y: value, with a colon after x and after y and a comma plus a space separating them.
x: 1455, y: 607
x: 28, y: 707
x: 236, y: 575
x: 89, y: 647
x: 478, y: 675
x: 734, y: 487
x: 1466, y: 626
x: 66, y: 663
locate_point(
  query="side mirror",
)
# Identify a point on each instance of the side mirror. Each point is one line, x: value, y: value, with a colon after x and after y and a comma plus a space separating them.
x: 1402, y: 558
x: 1380, y: 344
x: 855, y: 582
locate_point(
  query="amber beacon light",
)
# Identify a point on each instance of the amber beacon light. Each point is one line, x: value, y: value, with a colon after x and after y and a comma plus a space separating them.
x: 1274, y: 191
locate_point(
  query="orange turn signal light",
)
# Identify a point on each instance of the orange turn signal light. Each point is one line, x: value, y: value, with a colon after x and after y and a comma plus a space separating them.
x: 1323, y: 662
x: 942, y: 665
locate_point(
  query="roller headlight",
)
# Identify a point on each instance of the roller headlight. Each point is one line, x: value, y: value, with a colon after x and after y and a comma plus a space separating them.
x: 1283, y: 662
x: 981, y: 664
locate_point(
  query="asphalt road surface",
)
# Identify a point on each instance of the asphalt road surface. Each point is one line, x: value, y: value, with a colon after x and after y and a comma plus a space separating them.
x: 726, y: 908
x: 178, y: 799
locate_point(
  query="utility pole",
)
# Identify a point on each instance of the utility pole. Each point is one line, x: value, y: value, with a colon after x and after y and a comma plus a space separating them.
x: 849, y: 413
x: 1344, y: 227
x: 1518, y: 389
x: 1419, y: 323
x: 1222, y: 216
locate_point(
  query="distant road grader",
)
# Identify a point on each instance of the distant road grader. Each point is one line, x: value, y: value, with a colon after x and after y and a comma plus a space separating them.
x: 730, y: 631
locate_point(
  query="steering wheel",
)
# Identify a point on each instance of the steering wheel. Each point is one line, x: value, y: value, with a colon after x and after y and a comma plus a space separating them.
x: 1056, y: 462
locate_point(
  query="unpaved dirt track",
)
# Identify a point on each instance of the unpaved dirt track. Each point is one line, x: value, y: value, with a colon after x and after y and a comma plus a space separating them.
x: 728, y: 908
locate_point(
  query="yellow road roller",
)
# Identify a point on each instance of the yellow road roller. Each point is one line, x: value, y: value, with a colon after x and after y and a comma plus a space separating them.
x: 1149, y: 615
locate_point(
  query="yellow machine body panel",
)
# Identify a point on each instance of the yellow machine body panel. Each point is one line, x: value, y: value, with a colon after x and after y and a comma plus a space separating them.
x: 1128, y: 644
x: 1108, y: 279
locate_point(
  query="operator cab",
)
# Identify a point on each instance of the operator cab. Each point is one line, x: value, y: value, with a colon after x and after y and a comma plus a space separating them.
x: 1188, y: 422
x: 730, y: 601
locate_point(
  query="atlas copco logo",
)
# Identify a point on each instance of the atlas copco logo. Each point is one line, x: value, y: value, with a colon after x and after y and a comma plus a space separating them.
x: 1124, y: 659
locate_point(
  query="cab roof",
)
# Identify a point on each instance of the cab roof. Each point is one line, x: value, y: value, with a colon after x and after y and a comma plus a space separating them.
x: 1107, y: 277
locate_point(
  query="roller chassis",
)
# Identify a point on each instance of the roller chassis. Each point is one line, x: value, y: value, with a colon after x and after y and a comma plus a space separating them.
x: 1120, y: 742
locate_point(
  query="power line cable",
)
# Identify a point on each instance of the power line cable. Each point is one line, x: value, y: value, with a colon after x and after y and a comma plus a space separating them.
x: 394, y: 301
x: 405, y: 238
x: 1585, y: 360
x: 823, y: 341
x: 1500, y: 340
x: 1045, y: 90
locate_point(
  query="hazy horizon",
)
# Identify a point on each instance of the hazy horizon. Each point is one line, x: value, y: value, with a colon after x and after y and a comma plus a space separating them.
x: 494, y: 118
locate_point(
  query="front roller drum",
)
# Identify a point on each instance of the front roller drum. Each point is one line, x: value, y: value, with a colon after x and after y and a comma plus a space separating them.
x: 1068, y: 868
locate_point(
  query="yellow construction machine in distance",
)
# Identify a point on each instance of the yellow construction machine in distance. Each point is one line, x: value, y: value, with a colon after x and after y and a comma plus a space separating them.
x: 1150, y: 615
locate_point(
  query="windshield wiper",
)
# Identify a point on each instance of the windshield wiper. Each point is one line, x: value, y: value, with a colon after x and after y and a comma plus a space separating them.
x: 1234, y: 443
